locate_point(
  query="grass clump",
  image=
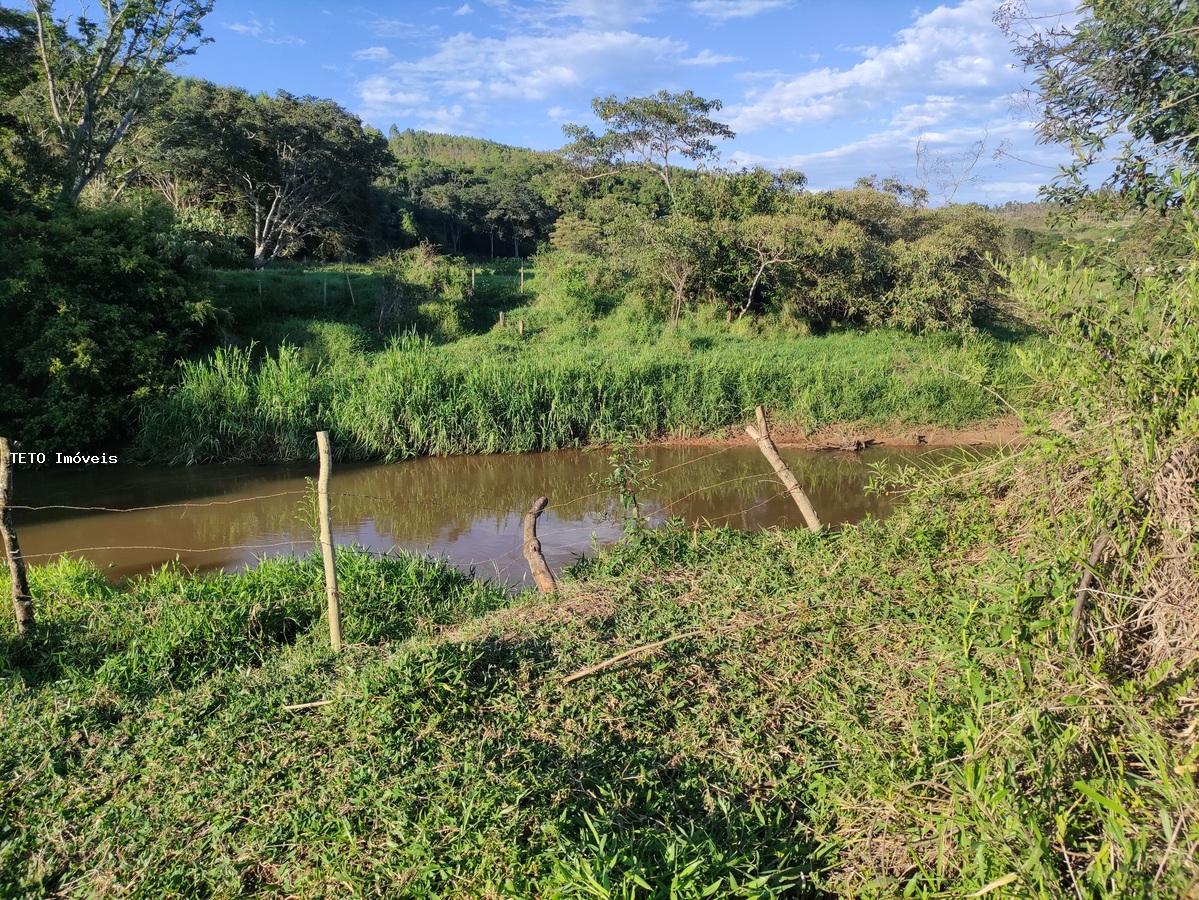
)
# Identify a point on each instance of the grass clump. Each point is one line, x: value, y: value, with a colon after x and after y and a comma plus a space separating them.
x: 500, y: 392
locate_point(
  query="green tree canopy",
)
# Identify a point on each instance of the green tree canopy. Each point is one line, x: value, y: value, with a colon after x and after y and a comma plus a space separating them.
x: 1120, y: 86
x: 648, y: 131
x: 288, y: 169
x: 99, y: 76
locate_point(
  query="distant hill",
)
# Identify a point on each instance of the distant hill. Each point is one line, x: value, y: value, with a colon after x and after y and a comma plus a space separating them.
x: 456, y: 150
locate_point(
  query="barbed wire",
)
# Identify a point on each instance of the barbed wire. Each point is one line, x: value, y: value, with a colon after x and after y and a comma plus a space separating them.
x: 300, y: 492
x: 290, y: 543
x: 125, y: 509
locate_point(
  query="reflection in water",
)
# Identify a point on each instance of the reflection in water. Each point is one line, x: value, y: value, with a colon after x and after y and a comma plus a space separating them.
x: 467, y: 509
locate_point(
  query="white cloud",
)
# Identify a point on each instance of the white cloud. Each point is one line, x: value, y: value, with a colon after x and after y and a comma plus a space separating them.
x: 254, y: 28
x: 722, y: 10
x: 951, y: 48
x: 464, y: 10
x: 597, y: 13
x: 892, y: 152
x: 398, y: 28
x: 475, y: 71
x: 708, y: 58
x: 250, y: 28
x: 558, y: 113
x: 373, y: 54
x: 379, y: 91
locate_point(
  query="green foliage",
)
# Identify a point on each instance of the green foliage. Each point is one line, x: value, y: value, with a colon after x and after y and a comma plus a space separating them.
x: 464, y: 194
x: 1124, y: 383
x: 291, y: 174
x: 25, y: 169
x: 648, y: 131
x: 947, y: 276
x: 567, y: 384
x: 628, y: 475
x: 97, y: 309
x: 101, y: 75
x: 421, y: 282
x: 1122, y: 74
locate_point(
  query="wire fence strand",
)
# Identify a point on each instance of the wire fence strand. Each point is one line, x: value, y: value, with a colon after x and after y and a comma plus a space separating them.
x: 127, y: 509
x: 290, y: 543
x: 594, y: 521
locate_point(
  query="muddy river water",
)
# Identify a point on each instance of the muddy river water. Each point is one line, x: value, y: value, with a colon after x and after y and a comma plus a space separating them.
x: 466, y: 509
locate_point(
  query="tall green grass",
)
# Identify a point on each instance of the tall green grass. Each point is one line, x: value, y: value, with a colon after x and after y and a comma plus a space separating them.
x: 502, y: 393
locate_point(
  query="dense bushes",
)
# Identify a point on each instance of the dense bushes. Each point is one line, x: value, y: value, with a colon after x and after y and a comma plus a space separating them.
x: 97, y: 306
x: 857, y: 257
x: 946, y: 276
x: 421, y: 284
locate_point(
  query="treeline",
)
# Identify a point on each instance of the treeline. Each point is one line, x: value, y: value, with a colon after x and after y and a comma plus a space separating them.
x: 752, y: 243
x: 123, y: 184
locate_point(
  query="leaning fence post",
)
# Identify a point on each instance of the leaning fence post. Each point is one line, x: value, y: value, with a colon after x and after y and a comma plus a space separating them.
x: 761, y: 436
x: 22, y: 600
x: 501, y: 318
x: 322, y: 491
x: 542, y: 575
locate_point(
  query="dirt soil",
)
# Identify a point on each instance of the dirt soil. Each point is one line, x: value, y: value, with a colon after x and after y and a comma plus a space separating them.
x: 1002, y: 432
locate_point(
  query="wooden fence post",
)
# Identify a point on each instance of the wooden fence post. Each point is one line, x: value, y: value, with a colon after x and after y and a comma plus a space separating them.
x: 322, y: 490
x: 522, y: 279
x: 22, y: 600
x: 353, y: 302
x: 761, y: 436
x: 520, y: 327
x: 472, y: 278
x: 501, y: 318
x: 542, y: 575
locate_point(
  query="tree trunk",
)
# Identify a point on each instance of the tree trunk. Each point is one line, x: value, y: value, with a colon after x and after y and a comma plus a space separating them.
x: 542, y: 575
x: 753, y: 287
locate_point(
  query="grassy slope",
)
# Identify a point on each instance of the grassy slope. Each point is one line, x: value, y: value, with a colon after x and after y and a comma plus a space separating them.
x: 889, y: 707
x: 564, y: 383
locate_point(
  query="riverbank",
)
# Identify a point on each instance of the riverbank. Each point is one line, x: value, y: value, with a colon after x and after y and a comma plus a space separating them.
x: 548, y: 389
x: 861, y: 713
x: 1005, y: 431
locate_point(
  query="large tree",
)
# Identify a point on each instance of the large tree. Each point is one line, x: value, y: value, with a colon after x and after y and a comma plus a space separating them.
x: 648, y: 131
x: 1119, y: 83
x: 18, y: 43
x: 99, y: 76
x: 288, y: 168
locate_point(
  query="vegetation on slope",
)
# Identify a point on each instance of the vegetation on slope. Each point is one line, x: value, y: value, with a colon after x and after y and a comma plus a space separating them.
x: 900, y: 707
x: 571, y: 379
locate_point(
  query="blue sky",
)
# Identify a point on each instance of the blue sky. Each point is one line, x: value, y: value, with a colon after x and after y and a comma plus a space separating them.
x: 836, y: 89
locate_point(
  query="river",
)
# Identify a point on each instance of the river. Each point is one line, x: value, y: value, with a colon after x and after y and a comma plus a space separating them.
x: 466, y: 509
